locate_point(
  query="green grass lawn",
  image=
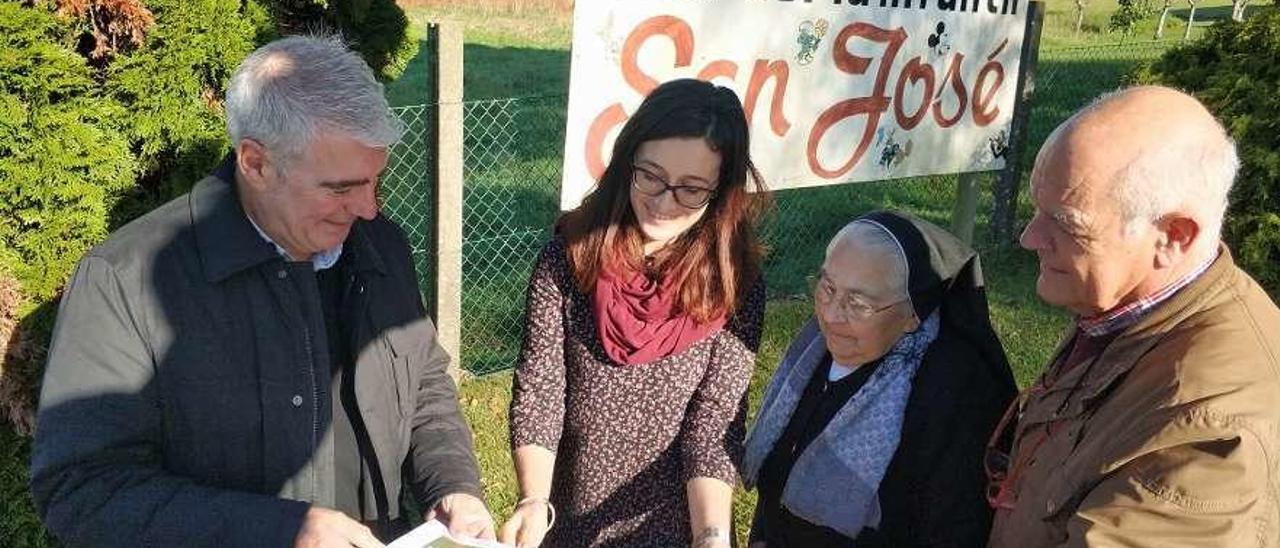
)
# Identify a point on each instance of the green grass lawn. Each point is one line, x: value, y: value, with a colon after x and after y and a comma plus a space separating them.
x: 508, y: 54
x: 1060, y: 19
x: 513, y: 167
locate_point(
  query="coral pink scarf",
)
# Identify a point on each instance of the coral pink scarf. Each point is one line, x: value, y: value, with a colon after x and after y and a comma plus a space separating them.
x: 636, y: 321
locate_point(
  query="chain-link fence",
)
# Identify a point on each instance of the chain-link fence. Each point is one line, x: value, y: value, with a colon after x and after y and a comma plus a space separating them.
x: 511, y: 198
x: 513, y: 160
x: 1069, y: 78
x: 406, y: 189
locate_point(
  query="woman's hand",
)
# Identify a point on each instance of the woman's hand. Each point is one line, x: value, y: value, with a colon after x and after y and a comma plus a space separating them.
x: 534, y: 514
x: 528, y: 525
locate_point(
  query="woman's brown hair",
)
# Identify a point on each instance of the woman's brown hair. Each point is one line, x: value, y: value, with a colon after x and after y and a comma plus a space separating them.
x: 603, y: 230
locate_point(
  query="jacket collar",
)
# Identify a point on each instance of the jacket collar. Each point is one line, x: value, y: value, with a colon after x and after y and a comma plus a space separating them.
x: 364, y: 254
x: 1130, y: 345
x: 1147, y: 332
x: 227, y: 242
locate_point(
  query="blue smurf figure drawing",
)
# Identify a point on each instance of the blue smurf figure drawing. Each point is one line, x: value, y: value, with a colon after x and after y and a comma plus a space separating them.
x: 811, y: 33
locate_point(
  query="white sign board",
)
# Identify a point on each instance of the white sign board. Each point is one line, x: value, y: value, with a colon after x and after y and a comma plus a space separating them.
x: 835, y: 91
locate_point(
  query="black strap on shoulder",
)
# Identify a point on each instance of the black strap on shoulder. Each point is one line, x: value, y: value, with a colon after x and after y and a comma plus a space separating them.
x: 363, y: 441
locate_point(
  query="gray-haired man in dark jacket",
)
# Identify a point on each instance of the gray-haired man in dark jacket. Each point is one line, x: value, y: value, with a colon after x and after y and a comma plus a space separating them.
x: 251, y: 364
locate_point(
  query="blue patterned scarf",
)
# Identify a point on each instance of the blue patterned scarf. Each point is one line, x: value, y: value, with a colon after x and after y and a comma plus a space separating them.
x: 835, y: 480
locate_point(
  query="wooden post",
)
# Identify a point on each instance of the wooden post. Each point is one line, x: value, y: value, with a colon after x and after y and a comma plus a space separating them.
x: 1004, y: 210
x: 966, y: 206
x: 445, y: 40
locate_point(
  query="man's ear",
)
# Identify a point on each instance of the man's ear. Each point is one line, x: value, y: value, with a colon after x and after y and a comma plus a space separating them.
x: 1178, y: 233
x: 252, y: 164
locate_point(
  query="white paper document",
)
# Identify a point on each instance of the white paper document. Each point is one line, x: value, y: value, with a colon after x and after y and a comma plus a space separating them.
x: 434, y: 534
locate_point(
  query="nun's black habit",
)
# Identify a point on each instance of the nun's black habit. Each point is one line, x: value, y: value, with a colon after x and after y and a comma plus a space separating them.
x: 933, y: 491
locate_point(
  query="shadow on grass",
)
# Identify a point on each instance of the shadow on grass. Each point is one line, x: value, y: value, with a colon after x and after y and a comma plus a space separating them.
x: 488, y: 73
x: 1209, y: 15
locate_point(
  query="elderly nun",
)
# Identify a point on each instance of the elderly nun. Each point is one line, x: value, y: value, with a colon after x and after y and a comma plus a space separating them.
x: 872, y: 431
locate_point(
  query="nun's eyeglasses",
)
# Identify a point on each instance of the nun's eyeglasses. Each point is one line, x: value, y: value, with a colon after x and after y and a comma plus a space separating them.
x: 848, y: 308
x: 652, y: 184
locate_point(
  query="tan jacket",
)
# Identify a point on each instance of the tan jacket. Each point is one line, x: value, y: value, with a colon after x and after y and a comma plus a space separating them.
x: 1171, y: 438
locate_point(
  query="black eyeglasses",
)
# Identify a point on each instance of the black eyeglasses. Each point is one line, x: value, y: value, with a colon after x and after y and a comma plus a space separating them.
x: 652, y: 184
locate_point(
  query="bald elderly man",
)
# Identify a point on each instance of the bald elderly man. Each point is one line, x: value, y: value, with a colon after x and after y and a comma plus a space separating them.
x: 1157, y: 423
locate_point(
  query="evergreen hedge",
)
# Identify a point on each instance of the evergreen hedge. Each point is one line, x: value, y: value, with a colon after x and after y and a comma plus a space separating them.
x: 65, y: 153
x: 111, y: 107
x: 1235, y: 70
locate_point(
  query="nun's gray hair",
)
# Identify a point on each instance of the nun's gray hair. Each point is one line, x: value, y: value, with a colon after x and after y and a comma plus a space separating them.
x: 882, y: 245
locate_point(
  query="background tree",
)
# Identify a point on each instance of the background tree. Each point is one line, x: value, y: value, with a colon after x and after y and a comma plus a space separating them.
x: 65, y: 152
x: 64, y: 158
x: 1164, y: 16
x: 1128, y: 14
x: 1191, y: 20
x: 378, y: 29
x: 1237, y: 10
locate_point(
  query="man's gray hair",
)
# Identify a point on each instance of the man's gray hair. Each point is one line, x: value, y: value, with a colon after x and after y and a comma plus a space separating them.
x: 1193, y: 174
x: 882, y: 246
x: 291, y: 90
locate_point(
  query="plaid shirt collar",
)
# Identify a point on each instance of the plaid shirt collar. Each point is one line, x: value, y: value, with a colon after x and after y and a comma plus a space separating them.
x: 1121, y: 317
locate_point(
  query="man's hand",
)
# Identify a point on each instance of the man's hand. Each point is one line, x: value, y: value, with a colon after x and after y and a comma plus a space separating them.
x: 464, y: 515
x: 325, y: 528
x: 527, y: 525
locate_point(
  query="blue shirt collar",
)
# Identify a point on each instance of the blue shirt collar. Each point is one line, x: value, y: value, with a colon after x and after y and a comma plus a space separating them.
x: 320, y: 261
